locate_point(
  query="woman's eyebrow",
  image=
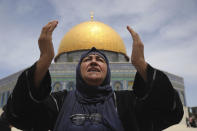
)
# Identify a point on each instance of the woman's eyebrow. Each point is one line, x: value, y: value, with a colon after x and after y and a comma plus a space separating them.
x: 87, y: 57
x: 99, y: 57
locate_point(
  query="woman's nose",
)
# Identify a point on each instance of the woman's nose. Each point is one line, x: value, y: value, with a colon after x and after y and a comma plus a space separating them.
x: 93, y: 62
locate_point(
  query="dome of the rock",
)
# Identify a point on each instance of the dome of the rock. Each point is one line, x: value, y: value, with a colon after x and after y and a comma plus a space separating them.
x: 88, y: 34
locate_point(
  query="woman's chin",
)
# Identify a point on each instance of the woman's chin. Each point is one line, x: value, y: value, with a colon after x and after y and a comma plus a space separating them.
x: 94, y: 81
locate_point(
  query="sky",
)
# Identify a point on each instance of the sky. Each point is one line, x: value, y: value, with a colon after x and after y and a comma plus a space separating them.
x: 167, y: 28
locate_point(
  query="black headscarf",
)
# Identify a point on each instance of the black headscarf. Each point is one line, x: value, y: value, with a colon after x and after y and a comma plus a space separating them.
x: 90, y: 99
x: 93, y: 94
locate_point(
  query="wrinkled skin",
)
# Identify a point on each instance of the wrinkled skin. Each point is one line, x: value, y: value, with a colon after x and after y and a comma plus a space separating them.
x: 93, y: 70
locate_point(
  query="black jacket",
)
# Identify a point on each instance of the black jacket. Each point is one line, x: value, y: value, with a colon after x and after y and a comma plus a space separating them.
x: 151, y: 106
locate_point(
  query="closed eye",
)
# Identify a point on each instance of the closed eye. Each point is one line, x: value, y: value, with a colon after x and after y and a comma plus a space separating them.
x: 85, y: 60
x: 100, y: 59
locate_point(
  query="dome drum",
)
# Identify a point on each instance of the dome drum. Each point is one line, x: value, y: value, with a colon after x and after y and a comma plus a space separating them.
x: 74, y: 56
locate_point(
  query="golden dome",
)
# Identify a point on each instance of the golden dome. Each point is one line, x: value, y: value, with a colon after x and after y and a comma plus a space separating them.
x: 92, y: 33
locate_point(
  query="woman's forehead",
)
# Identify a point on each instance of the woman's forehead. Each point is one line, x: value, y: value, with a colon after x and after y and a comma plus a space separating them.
x: 94, y: 55
x: 91, y: 55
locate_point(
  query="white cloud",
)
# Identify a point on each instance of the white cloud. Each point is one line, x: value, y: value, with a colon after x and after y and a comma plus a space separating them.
x: 24, y: 7
x: 180, y: 29
x: 18, y: 48
x: 178, y: 60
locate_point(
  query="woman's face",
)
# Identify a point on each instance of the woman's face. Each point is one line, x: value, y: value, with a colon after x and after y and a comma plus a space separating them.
x: 93, y: 69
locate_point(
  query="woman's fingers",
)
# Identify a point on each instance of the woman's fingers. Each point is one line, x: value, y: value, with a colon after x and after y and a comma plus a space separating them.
x: 53, y: 25
x: 45, y: 39
x: 49, y: 28
x: 135, y: 36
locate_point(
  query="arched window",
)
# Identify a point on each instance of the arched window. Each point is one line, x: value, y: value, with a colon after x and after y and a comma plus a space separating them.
x: 117, y: 85
x: 70, y: 86
x: 130, y: 85
x: 2, y: 99
x: 57, y: 86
